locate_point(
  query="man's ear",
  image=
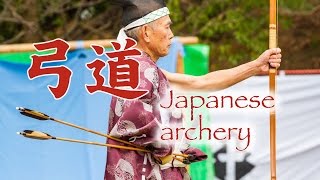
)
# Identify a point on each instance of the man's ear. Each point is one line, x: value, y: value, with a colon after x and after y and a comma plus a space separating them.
x: 146, y: 32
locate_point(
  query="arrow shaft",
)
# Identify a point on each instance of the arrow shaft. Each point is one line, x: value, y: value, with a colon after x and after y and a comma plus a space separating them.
x: 99, y: 144
x: 44, y: 136
x: 42, y: 116
x: 95, y: 132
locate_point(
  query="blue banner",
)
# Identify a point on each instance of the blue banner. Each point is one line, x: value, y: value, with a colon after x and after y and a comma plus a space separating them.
x: 23, y: 158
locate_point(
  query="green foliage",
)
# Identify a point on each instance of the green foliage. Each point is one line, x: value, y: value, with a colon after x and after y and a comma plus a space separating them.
x: 236, y: 30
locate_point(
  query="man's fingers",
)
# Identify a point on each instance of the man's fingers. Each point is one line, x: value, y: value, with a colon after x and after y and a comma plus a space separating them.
x: 274, y: 51
x: 277, y: 56
x: 274, y: 60
x: 276, y: 65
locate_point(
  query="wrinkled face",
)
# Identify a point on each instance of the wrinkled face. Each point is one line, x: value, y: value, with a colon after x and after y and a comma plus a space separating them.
x: 161, y: 36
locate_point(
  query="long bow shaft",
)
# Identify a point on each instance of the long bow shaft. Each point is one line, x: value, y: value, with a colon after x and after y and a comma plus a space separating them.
x: 273, y: 43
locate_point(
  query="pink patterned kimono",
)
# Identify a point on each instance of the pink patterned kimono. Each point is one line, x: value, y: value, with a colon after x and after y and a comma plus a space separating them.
x: 138, y: 121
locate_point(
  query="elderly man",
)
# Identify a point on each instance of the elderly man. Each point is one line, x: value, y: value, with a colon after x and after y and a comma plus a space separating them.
x: 139, y: 121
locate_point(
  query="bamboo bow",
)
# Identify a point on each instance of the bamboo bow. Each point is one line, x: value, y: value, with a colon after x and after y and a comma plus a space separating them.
x: 273, y: 43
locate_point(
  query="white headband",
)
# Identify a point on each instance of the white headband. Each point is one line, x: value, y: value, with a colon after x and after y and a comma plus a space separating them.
x: 154, y: 15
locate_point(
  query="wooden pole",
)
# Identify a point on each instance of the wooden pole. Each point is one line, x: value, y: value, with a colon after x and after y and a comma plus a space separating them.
x: 10, y: 48
x: 272, y: 87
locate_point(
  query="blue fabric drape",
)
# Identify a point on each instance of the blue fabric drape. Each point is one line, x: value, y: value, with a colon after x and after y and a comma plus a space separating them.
x: 22, y: 158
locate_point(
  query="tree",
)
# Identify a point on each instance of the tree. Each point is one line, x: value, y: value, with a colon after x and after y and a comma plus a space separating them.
x: 237, y: 31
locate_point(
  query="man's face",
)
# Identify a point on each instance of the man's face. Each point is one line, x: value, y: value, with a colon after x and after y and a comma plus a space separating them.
x: 161, y: 36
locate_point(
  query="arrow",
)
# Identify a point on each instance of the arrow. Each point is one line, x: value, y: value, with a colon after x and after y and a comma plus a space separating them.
x: 43, y: 117
x: 44, y: 136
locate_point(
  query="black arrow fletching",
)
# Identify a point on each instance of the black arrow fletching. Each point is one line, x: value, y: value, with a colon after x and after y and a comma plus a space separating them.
x: 33, y: 114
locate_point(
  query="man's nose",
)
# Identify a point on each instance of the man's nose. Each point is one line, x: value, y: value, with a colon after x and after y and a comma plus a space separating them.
x: 171, y: 34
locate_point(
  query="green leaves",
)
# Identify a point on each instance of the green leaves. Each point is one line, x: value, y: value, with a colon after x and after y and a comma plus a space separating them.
x: 236, y: 30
